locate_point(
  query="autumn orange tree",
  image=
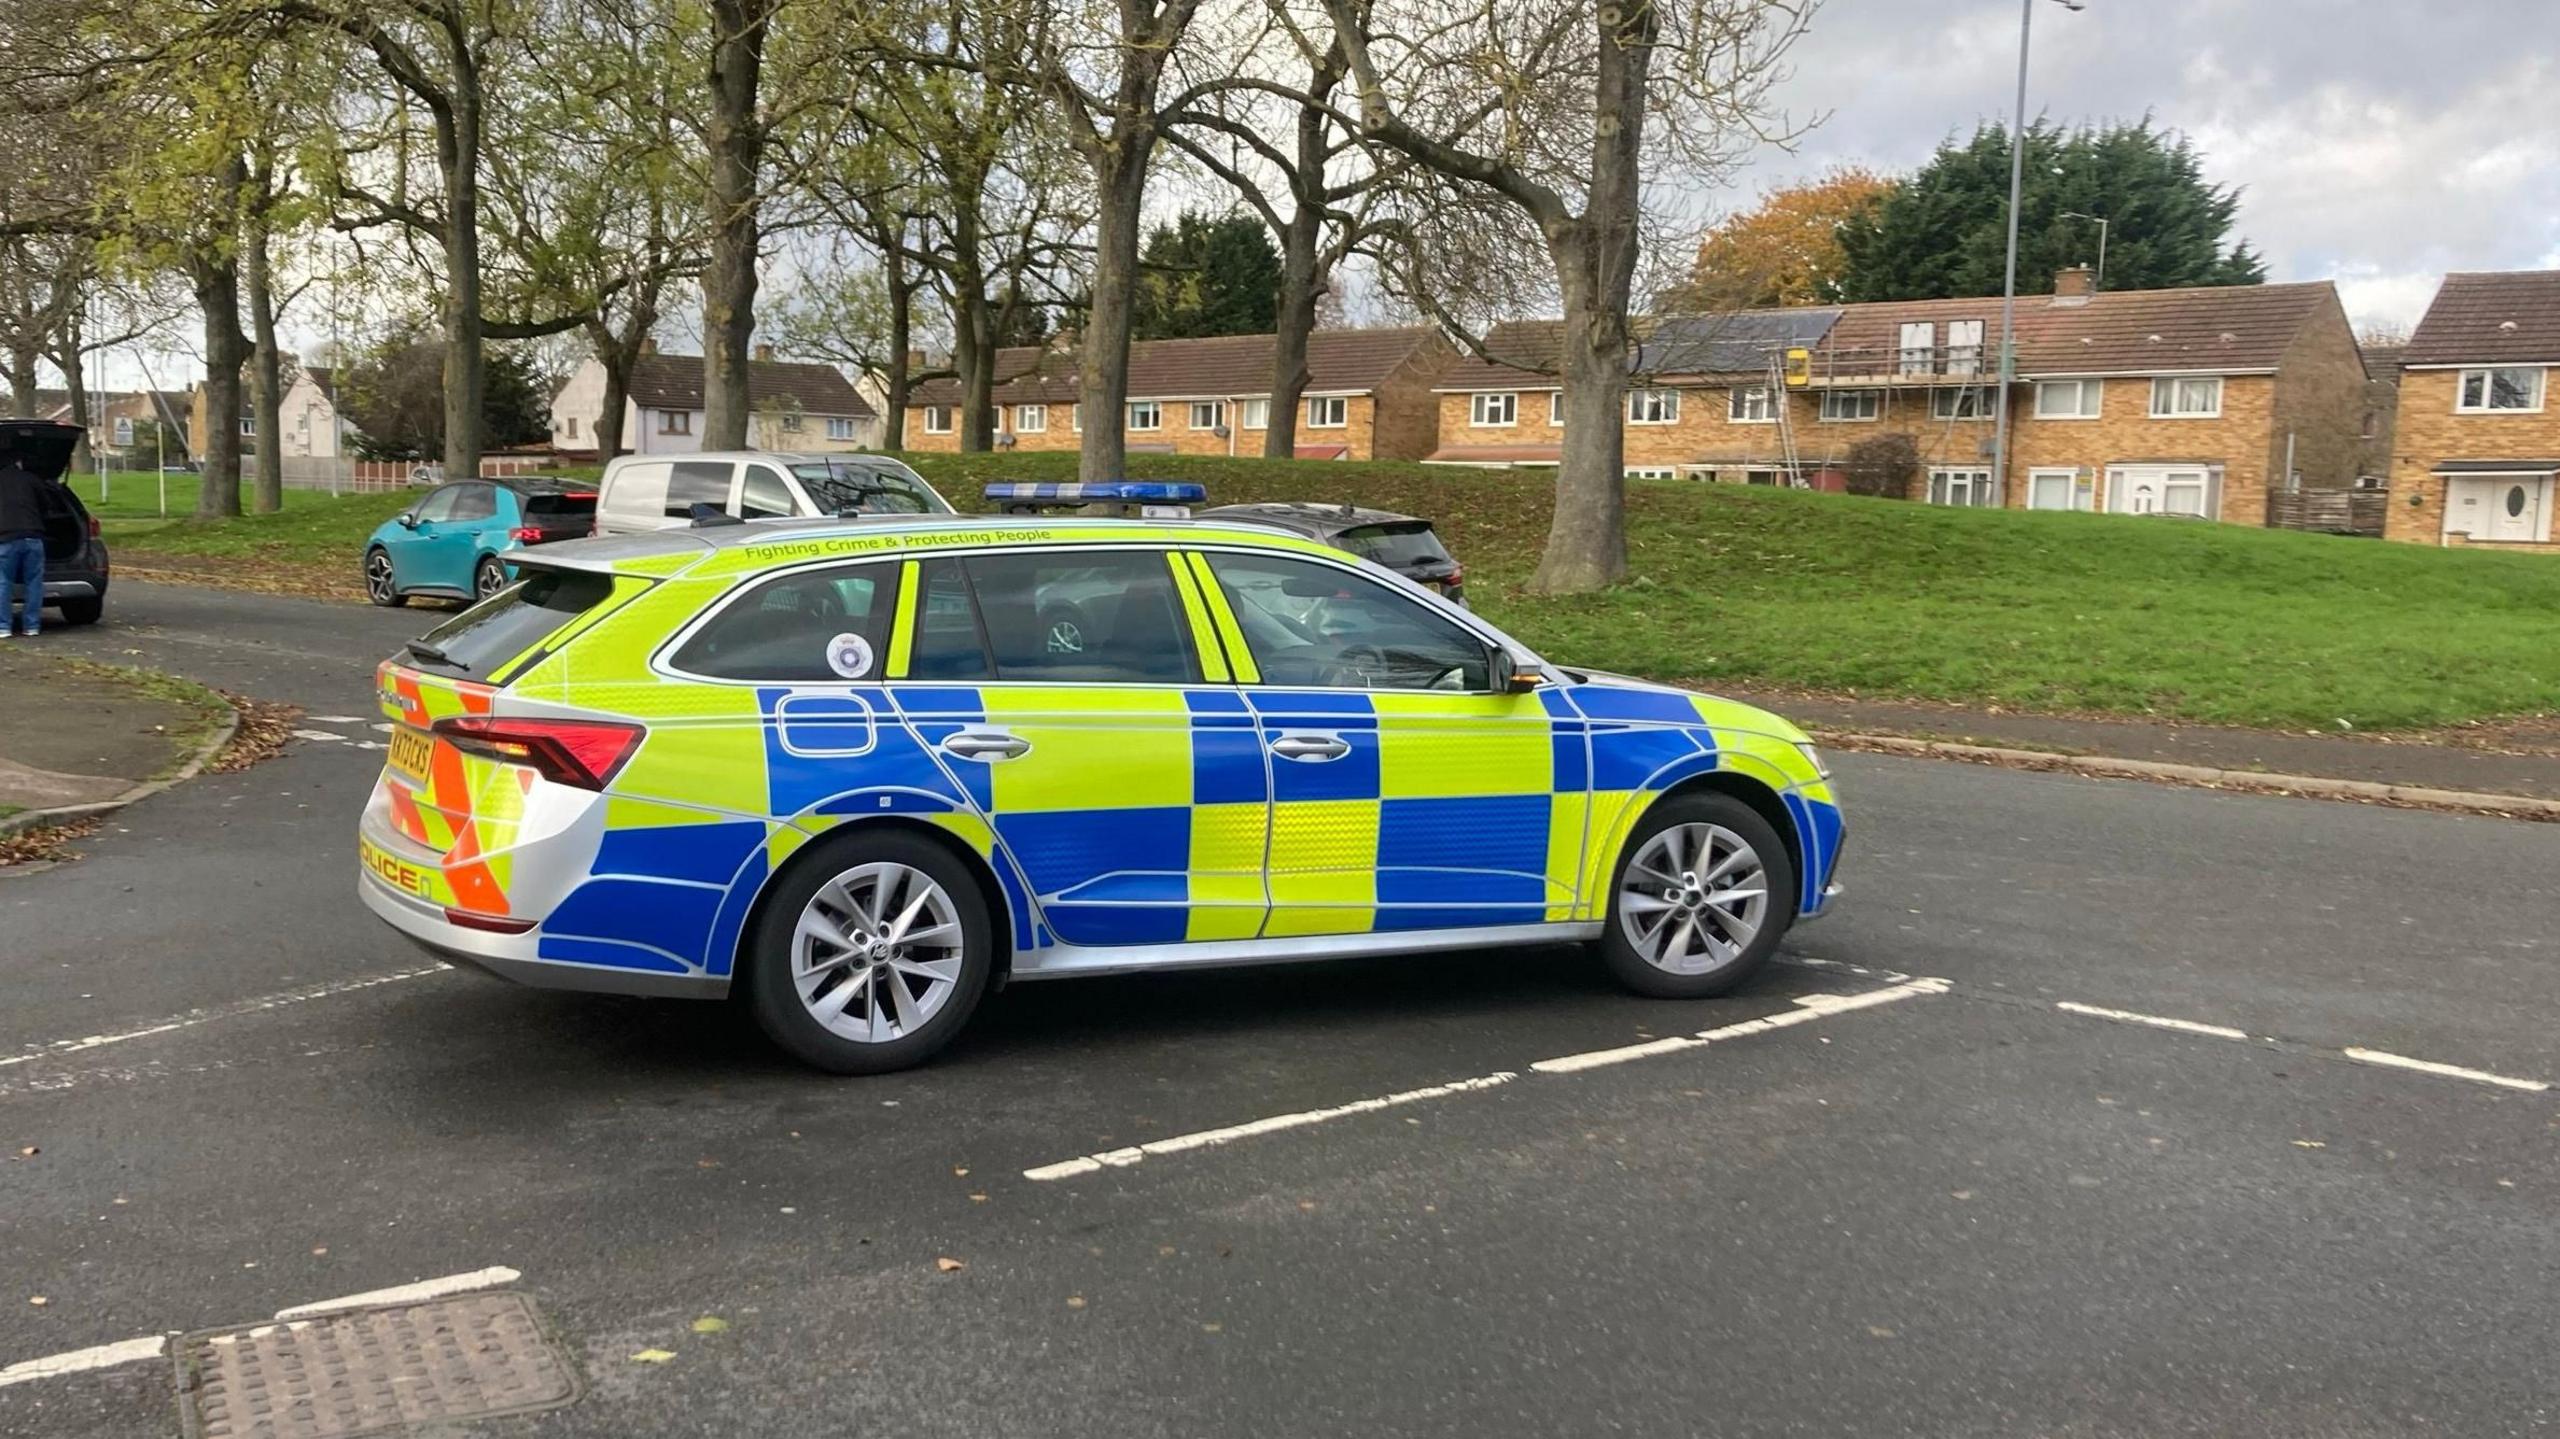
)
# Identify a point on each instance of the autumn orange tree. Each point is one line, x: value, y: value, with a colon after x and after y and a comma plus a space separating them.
x: 1786, y: 249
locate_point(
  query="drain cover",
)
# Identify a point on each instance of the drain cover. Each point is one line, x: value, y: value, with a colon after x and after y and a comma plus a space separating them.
x: 472, y: 1356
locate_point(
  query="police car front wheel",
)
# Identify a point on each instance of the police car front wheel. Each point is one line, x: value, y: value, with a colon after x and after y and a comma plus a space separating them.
x: 871, y: 954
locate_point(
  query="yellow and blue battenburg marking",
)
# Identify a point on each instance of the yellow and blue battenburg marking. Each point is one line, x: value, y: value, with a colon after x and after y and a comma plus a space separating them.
x: 1137, y: 815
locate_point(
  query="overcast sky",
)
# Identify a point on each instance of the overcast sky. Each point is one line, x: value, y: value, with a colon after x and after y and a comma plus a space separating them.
x: 2377, y: 143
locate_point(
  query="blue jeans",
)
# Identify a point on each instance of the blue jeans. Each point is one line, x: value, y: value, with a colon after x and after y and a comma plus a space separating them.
x: 22, y: 564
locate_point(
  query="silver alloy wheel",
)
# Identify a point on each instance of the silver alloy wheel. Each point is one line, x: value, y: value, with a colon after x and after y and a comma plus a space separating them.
x: 1693, y: 898
x: 877, y: 952
x: 492, y: 578
x: 377, y: 575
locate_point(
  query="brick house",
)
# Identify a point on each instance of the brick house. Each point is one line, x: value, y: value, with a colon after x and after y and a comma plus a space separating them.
x: 1367, y: 397
x: 2477, y: 441
x: 2179, y: 401
x: 793, y: 406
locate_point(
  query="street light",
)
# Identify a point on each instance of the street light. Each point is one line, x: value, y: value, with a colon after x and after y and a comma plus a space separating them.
x: 2009, y: 273
x: 2101, y: 222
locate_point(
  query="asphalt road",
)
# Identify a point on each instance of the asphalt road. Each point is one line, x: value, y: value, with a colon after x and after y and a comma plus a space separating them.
x: 1962, y: 1209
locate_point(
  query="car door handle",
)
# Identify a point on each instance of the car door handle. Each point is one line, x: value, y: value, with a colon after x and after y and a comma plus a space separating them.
x: 1310, y: 748
x: 986, y: 744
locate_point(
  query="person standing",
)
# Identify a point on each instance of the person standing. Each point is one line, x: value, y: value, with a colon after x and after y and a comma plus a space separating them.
x: 21, y: 545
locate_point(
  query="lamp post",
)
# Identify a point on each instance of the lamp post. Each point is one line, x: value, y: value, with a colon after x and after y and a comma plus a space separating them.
x: 2101, y: 222
x: 2009, y: 270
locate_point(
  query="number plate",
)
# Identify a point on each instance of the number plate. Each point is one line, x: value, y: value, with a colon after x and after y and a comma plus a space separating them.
x: 410, y: 751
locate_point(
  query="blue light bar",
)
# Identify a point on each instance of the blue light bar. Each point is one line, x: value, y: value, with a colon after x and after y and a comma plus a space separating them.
x: 1072, y: 492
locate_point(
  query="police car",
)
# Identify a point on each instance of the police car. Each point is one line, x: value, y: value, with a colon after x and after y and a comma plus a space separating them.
x: 849, y: 773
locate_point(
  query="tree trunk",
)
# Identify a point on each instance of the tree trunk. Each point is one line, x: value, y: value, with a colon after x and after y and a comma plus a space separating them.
x: 226, y: 349
x: 1595, y: 259
x: 1120, y: 176
x: 1299, y: 285
x: 22, y: 379
x: 75, y: 380
x: 736, y: 142
x: 266, y: 364
x: 896, y: 379
x: 973, y: 322
x: 466, y: 381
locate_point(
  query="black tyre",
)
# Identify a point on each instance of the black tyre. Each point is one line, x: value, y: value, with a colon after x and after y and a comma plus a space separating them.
x: 83, y: 612
x: 487, y: 577
x: 872, y: 952
x: 378, y: 584
x: 1704, y: 891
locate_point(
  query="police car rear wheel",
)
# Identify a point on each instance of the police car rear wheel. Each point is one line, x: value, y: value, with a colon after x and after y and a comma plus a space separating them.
x: 871, y: 955
x: 1703, y: 894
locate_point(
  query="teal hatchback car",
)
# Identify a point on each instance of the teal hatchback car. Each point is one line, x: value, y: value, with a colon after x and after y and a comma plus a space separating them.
x: 453, y: 542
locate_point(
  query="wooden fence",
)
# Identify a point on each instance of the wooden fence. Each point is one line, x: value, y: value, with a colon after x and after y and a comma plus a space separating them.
x: 2338, y: 512
x: 346, y: 475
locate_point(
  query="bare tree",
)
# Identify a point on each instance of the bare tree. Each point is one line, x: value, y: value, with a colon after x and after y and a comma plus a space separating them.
x: 1546, y: 105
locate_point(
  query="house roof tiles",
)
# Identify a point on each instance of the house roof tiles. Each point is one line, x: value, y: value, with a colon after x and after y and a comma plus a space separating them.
x: 2483, y: 317
x: 674, y: 382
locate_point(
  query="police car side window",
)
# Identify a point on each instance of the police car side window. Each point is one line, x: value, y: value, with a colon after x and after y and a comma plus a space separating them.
x: 947, y: 643
x: 825, y: 626
x: 1317, y: 626
x: 1083, y: 616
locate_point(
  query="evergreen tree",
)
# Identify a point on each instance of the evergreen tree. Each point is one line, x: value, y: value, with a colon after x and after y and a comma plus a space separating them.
x: 1207, y: 275
x: 1943, y: 231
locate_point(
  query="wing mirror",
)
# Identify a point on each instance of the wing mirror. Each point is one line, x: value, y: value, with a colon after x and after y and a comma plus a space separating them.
x: 408, y: 519
x: 1510, y: 679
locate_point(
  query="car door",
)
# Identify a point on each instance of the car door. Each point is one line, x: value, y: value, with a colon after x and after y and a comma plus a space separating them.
x: 1120, y: 771
x: 456, y: 548
x: 413, y: 552
x: 1407, y: 791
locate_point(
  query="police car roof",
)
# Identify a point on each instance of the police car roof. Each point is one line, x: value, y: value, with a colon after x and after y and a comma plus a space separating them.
x: 672, y: 551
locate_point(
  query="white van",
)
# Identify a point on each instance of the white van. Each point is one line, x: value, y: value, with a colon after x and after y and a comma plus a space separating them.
x: 659, y: 492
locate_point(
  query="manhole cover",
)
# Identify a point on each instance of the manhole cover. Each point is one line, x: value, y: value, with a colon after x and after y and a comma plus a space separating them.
x: 366, y: 1371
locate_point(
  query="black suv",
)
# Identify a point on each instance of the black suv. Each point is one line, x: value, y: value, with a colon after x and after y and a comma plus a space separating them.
x: 75, y: 558
x: 1400, y: 542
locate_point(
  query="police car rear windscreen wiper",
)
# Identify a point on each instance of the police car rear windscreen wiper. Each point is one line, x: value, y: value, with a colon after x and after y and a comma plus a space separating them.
x: 434, y: 655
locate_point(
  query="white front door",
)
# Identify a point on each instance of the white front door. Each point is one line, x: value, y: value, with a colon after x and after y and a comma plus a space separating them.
x: 2509, y: 508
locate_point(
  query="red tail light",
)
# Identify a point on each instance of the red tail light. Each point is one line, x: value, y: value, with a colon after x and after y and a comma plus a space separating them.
x: 584, y: 753
x: 1456, y: 578
x: 93, y: 527
x: 525, y: 535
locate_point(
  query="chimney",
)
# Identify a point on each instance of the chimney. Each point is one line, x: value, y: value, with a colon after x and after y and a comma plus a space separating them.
x: 1064, y: 341
x: 648, y: 344
x: 2076, y: 283
x: 764, y: 354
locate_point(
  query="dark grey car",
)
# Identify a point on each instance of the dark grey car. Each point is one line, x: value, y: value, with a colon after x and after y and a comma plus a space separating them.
x: 75, y: 557
x: 1402, y: 543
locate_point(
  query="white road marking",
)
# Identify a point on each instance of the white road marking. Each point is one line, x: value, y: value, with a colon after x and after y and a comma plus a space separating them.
x: 152, y: 1346
x: 226, y: 1011
x: 2156, y: 1021
x: 1809, y: 1008
x: 2449, y: 1071
x: 320, y: 735
x: 103, y: 1356
x: 408, y: 1293
x: 337, y: 719
x: 1122, y: 1158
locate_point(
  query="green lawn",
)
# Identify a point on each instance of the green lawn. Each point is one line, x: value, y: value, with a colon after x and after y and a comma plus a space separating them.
x: 1744, y: 586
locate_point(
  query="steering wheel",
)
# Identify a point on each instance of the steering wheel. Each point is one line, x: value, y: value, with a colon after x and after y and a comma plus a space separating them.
x: 1355, y: 667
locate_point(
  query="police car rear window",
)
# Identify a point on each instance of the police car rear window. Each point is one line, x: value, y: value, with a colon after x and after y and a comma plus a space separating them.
x: 481, y: 639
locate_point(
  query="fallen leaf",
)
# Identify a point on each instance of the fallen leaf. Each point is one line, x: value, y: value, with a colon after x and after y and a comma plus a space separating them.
x: 27, y: 1153
x: 653, y: 1356
x: 1964, y: 1194
x: 2310, y: 1144
x: 706, y: 1164
x: 960, y: 1171
x: 1307, y: 1204
x: 977, y: 1199
x: 709, y: 1324
x: 38, y: 1300
x: 1879, y: 1331
x: 1166, y: 1250
x: 1213, y: 1328
x: 320, y: 1249
x: 1075, y: 1301
x: 949, y: 1265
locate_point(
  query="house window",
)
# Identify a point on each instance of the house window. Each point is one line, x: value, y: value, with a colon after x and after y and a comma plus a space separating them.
x: 2056, y: 490
x: 1031, y: 419
x: 124, y: 430
x: 791, y: 422
x: 1555, y: 408
x: 1257, y: 414
x: 573, y: 425
x: 248, y: 424
x: 1208, y: 414
x: 1972, y: 488
x: 1653, y: 407
x: 1748, y: 405
x: 1852, y: 404
x: 1328, y: 412
x: 838, y: 427
x: 675, y: 422
x: 1075, y: 417
x: 1919, y: 341
x: 1494, y: 410
x: 1146, y: 415
x: 2068, y: 399
x: 1652, y: 472
x: 2507, y: 387
x: 937, y: 419
x: 1972, y: 402
x: 2185, y: 397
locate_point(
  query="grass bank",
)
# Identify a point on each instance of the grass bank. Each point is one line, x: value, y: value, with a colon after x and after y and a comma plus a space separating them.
x: 1743, y: 586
